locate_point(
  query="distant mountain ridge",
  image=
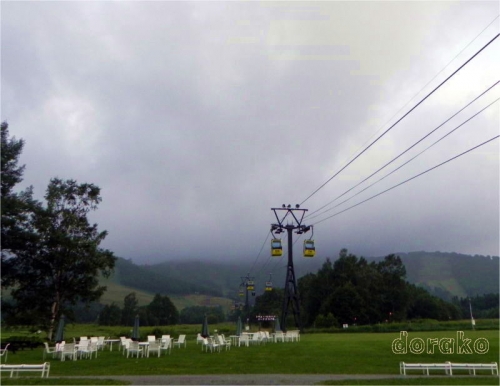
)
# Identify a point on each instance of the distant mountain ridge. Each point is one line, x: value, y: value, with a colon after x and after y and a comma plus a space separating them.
x: 452, y: 274
x: 443, y: 274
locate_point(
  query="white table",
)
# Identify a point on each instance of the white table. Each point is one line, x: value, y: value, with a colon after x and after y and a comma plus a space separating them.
x: 111, y: 341
x: 234, y: 339
x: 145, y: 346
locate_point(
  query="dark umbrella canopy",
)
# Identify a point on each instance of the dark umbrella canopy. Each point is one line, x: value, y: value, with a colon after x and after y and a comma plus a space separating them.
x: 135, y: 331
x: 204, y: 328
x: 60, y: 329
x: 238, y: 326
x: 277, y: 326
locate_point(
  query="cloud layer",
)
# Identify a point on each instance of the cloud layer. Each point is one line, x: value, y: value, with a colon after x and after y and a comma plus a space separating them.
x: 196, y: 118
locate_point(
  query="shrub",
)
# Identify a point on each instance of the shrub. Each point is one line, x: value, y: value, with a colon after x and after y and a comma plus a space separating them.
x: 22, y: 342
x: 157, y: 331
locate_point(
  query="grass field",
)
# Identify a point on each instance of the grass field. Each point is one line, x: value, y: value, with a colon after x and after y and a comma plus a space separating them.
x: 360, y: 353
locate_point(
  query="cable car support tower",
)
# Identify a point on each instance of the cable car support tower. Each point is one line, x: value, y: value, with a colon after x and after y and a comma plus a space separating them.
x: 249, y: 285
x: 291, y: 291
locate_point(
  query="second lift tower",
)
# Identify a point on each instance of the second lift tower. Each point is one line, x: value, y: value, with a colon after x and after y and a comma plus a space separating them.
x: 295, y: 217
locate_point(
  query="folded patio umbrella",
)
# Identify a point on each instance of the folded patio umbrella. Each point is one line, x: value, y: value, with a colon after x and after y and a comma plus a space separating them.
x: 135, y: 331
x: 204, y: 328
x: 60, y: 329
x: 277, y: 326
x: 239, y: 327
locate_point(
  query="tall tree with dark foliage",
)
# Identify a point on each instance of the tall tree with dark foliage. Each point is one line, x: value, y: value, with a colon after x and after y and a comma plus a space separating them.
x: 50, y: 254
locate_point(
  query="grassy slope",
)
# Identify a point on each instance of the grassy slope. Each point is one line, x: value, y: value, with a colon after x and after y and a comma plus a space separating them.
x: 116, y: 293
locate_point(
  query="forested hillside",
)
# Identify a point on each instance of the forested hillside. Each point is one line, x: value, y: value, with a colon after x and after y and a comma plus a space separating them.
x: 452, y: 274
x: 163, y: 279
x: 443, y: 274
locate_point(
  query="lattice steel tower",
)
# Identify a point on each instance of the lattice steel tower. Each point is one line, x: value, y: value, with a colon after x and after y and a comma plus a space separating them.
x: 291, y: 290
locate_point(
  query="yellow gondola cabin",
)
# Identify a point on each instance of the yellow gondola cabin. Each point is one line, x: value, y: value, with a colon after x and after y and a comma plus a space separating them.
x: 276, y: 248
x: 309, y: 249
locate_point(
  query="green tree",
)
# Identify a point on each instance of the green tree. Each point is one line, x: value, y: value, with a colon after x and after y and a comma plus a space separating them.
x: 269, y: 303
x: 130, y: 309
x: 312, y: 291
x: 163, y: 311
x: 346, y: 303
x: 393, y: 288
x: 63, y: 264
x: 320, y: 322
x: 423, y: 305
x: 195, y: 314
x: 111, y: 315
x: 326, y: 321
x: 17, y: 207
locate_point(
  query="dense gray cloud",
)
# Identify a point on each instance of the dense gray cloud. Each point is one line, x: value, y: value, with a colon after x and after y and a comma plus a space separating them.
x: 195, y: 118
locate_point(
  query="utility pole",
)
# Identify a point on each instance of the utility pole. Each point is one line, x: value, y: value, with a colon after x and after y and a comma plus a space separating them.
x: 473, y: 323
x: 291, y: 290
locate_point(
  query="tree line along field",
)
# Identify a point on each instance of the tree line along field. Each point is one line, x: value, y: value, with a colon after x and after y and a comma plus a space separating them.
x: 349, y: 353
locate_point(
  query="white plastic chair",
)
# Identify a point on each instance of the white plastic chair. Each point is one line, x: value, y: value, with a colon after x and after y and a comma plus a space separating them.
x: 223, y: 342
x: 255, y: 338
x: 93, y: 348
x: 46, y: 350
x: 154, y: 347
x: 292, y: 336
x: 100, y: 342
x: 82, y: 349
x: 166, y: 344
x: 204, y: 344
x: 262, y: 337
x: 244, y: 339
x: 88, y: 350
x: 60, y: 346
x: 4, y: 351
x: 122, y: 342
x: 134, y: 348
x: 126, y: 344
x: 181, y: 340
x: 210, y: 344
x: 279, y: 335
x: 69, y: 349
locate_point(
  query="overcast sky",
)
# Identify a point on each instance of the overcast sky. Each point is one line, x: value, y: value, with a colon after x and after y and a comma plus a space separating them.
x: 196, y: 118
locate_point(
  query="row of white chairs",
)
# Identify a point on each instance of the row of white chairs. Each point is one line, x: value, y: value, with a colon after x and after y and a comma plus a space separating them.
x: 152, y: 345
x: 246, y: 339
x: 264, y: 337
x: 289, y: 336
x: 215, y: 343
x: 100, y: 340
x: 63, y: 350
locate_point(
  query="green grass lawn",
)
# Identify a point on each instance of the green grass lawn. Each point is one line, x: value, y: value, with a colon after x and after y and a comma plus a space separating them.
x: 360, y: 353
